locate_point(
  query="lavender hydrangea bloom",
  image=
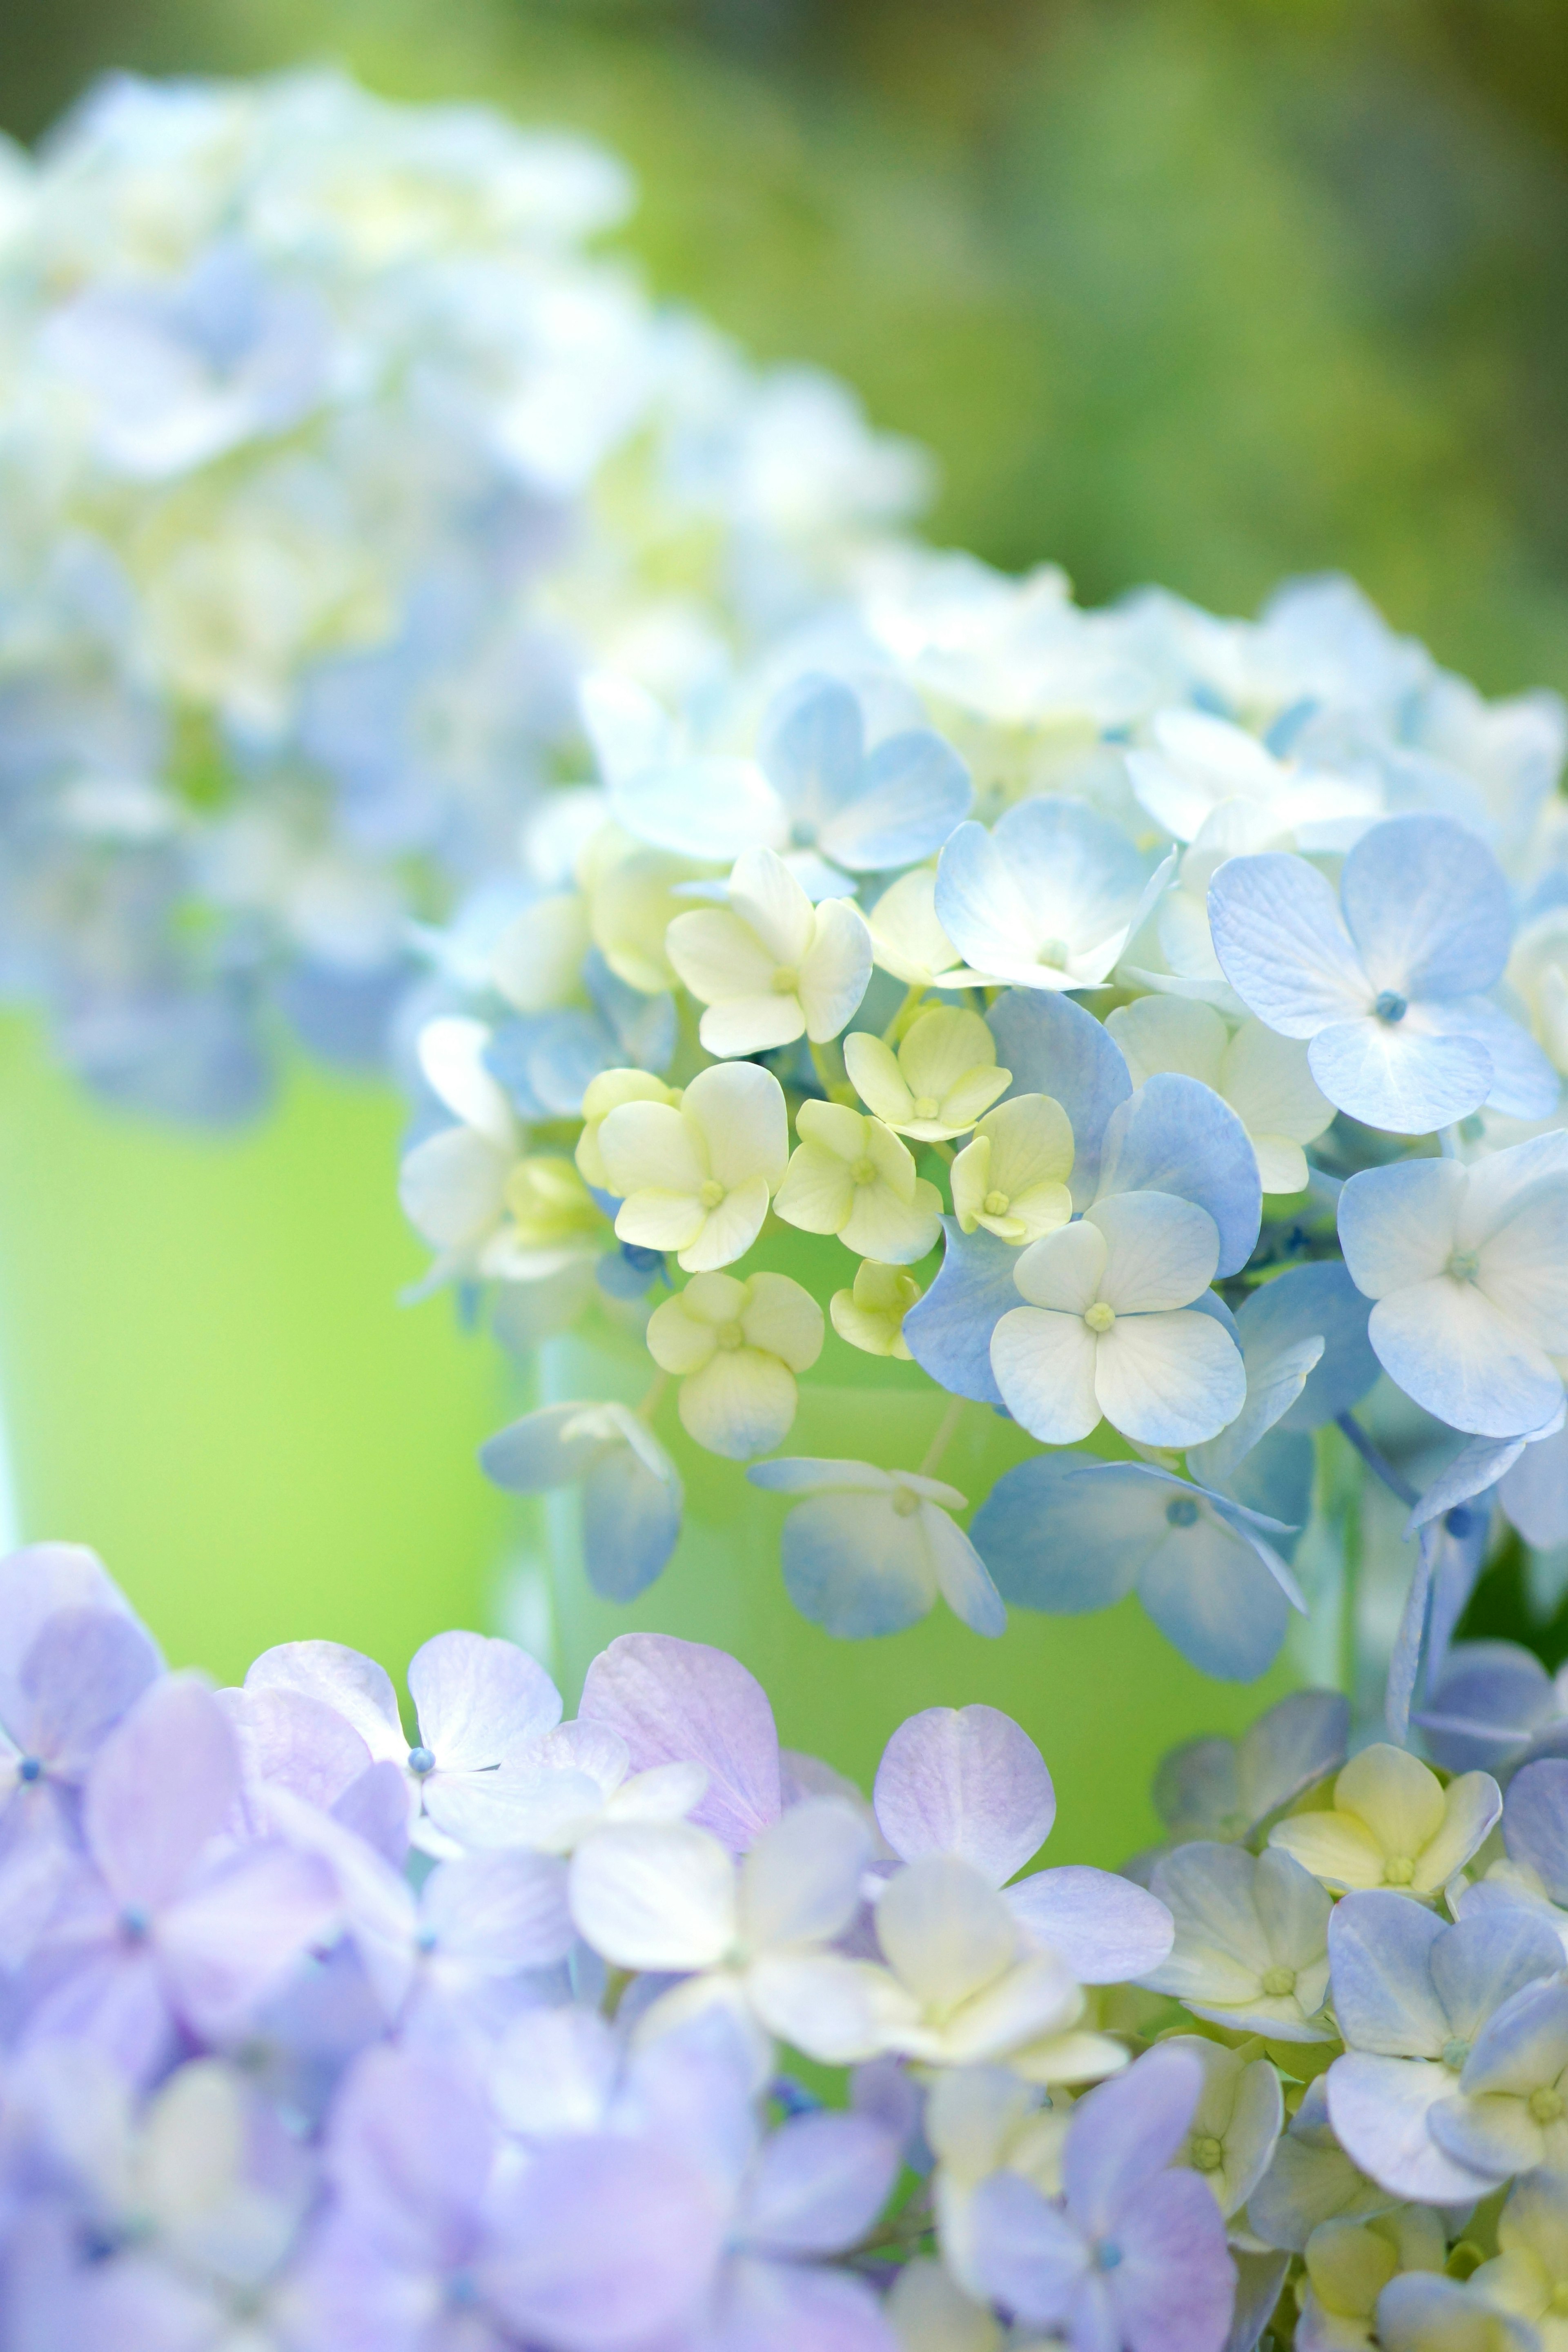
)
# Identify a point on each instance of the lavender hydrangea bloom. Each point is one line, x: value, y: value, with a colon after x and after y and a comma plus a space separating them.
x: 161, y: 1927
x: 1494, y: 1707
x: 969, y: 1782
x: 1134, y: 2256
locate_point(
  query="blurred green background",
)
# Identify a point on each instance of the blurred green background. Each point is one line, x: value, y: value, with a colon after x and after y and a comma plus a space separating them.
x: 1204, y: 291
x: 1201, y: 291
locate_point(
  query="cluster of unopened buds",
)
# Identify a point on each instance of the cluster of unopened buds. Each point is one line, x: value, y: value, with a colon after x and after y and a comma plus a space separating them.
x: 637, y: 2033
x: 1160, y: 1083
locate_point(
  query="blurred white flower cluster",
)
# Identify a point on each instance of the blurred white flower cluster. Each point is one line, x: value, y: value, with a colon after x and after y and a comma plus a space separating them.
x: 331, y: 443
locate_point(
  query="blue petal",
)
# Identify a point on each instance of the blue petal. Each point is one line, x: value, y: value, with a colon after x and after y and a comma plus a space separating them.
x: 1493, y: 1701
x: 850, y: 1567
x: 1380, y: 1968
x: 631, y: 1522
x: 533, y: 1454
x: 1065, y: 1533
x: 913, y: 790
x: 1322, y: 1298
x: 1175, y: 1135
x: 1524, y: 1083
x: 1275, y: 1479
x: 1427, y: 906
x: 644, y: 1027
x: 1535, y: 1822
x: 1054, y: 1047
x: 1214, y: 1599
x: 810, y: 749
x: 1407, y: 1645
x: 948, y: 1332
x: 704, y: 808
x: 1406, y: 1080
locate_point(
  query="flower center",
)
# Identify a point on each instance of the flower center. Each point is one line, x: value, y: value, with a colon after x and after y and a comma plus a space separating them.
x: 1391, y: 1006
x: 926, y: 1106
x: 863, y: 1170
x: 1455, y: 2054
x: 1399, y: 1870
x: 729, y: 1337
x: 1546, y: 2104
x: 1182, y: 1512
x: 1100, y: 1317
x: 421, y: 1763
x: 787, y: 980
x: 1464, y: 1266
x: 30, y: 1769
x: 905, y: 1503
x: 1208, y: 2155
x: 998, y: 1203
x: 1107, y: 2255
x: 710, y: 1193
x: 1277, y: 1982
x: 135, y: 1925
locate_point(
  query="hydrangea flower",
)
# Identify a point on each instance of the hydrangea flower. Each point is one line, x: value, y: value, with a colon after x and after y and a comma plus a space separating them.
x: 1392, y: 1824
x: 1010, y: 1177
x: 968, y: 1782
x: 943, y: 1077
x: 1262, y: 1076
x: 668, y: 1898
x: 1251, y: 1944
x: 1046, y: 899
x: 1389, y: 981
x: 1464, y: 1264
x: 1135, y: 2252
x: 1349, y: 2263
x: 478, y: 1702
x: 736, y: 1347
x: 1412, y: 1999
x: 1528, y: 2276
x: 698, y: 1178
x: 1107, y: 1329
x: 908, y: 941
x: 1311, y: 2180
x: 971, y: 1985
x: 1494, y: 1707
x: 870, y: 1551
x: 1228, y: 1790
x: 1238, y: 2119
x: 1197, y: 764
x: 852, y: 1176
x: 769, y: 966
x: 815, y: 790
x: 870, y: 1314
x: 1066, y: 1533
x: 605, y: 1093
x: 632, y: 1494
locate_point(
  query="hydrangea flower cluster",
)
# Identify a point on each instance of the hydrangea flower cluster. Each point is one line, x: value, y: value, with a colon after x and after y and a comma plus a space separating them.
x: 1156, y: 1013
x: 639, y: 2033
x: 331, y: 447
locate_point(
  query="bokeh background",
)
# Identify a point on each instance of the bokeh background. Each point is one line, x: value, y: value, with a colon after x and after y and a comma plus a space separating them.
x: 1202, y: 291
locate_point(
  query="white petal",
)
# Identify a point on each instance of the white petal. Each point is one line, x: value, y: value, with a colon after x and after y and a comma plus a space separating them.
x: 1169, y: 1380
x: 1045, y: 1368
x: 655, y: 1895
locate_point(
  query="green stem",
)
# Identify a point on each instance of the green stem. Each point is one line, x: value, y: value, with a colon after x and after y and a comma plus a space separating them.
x: 945, y: 1429
x: 901, y: 1020
x: 829, y: 1068
x: 1350, y: 1591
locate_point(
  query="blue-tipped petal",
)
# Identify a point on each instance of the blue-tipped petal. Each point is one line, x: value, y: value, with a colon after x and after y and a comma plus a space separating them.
x: 1175, y: 1135
x: 948, y: 1332
x: 1054, y: 1047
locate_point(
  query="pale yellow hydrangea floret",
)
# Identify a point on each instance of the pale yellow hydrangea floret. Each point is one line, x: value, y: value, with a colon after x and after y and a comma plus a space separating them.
x: 630, y: 891
x: 852, y: 1176
x: 908, y: 941
x: 871, y: 1315
x: 538, y: 961
x: 1263, y: 1076
x: 1348, y: 2264
x: 1393, y: 1825
x: 771, y: 967
x: 605, y: 1093
x: 736, y: 1347
x: 943, y: 1076
x: 1011, y: 1179
x: 697, y: 1178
